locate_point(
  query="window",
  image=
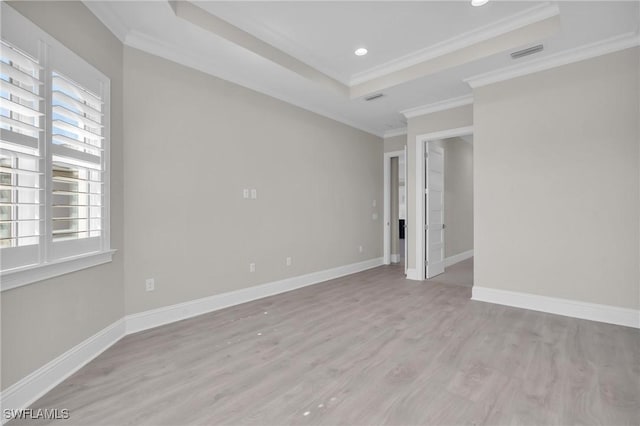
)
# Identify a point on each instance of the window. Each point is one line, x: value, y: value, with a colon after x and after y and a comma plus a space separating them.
x: 54, y: 155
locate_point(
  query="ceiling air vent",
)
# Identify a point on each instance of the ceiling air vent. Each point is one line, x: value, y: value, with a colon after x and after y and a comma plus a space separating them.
x: 526, y: 52
x: 372, y: 97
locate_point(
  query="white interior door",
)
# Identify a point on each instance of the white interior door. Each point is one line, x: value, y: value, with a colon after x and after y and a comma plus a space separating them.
x: 434, y: 202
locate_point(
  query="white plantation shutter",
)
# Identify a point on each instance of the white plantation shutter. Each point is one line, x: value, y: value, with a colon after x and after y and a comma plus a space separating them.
x: 54, y: 156
x: 77, y: 163
x: 21, y: 141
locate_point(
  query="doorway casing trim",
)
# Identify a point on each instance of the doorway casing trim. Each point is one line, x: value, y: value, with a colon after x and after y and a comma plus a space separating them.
x: 419, y: 273
x: 386, y: 223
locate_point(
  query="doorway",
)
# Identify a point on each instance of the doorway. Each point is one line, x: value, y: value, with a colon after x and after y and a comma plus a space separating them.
x: 444, y: 202
x: 395, y: 196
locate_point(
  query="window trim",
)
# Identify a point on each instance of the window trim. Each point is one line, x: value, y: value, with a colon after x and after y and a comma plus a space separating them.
x: 18, y: 277
x: 31, y: 37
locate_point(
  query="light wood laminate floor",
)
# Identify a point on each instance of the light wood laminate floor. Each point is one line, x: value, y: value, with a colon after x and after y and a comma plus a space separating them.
x: 367, y: 349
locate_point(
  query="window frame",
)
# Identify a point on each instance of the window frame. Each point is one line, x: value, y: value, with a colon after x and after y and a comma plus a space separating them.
x: 54, y: 258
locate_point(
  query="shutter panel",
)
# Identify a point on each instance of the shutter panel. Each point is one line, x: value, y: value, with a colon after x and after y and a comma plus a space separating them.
x: 54, y: 154
x: 21, y: 136
x: 77, y: 161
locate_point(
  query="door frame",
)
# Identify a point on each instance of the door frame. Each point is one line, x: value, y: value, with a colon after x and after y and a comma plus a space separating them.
x: 386, y: 225
x: 421, y: 140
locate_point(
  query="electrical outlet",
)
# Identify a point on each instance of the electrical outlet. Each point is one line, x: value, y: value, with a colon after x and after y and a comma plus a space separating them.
x: 252, y: 267
x: 245, y: 193
x: 150, y: 284
x: 254, y: 194
x: 288, y: 261
x: 360, y: 249
x: 374, y: 216
x: 375, y: 203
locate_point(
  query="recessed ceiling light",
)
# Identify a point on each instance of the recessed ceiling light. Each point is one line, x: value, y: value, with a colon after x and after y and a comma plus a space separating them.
x: 478, y: 3
x: 361, y: 51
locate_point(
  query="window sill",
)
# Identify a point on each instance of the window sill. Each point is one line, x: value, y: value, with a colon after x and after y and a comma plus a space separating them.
x: 31, y: 274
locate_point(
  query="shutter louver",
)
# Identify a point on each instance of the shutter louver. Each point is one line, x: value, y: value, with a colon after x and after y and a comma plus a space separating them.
x: 21, y: 136
x: 77, y: 161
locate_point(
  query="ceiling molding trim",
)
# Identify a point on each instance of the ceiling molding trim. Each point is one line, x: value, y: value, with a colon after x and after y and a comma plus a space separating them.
x: 105, y: 14
x: 173, y: 53
x: 395, y: 132
x: 569, y: 56
x: 438, y: 106
x: 505, y: 25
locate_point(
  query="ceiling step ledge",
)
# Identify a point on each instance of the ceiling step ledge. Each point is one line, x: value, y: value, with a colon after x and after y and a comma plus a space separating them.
x: 395, y: 132
x: 519, y: 20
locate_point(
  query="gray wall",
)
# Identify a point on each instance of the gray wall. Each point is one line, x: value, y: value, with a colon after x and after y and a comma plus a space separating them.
x: 395, y: 143
x: 557, y: 184
x: 43, y: 320
x: 186, y: 164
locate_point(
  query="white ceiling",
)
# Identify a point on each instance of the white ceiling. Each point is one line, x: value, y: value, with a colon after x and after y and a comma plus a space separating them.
x: 324, y: 35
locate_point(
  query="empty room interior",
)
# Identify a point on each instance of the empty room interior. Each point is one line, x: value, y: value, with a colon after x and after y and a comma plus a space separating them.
x: 316, y: 212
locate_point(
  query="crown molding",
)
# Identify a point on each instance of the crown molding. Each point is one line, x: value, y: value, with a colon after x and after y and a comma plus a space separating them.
x: 395, y: 132
x: 580, y: 53
x: 105, y: 14
x: 466, y: 39
x: 173, y: 53
x: 438, y: 106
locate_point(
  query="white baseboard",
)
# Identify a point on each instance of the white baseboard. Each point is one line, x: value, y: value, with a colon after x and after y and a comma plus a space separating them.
x: 395, y: 258
x: 553, y: 305
x: 26, y: 391
x: 452, y: 260
x: 168, y: 314
x: 412, y: 274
